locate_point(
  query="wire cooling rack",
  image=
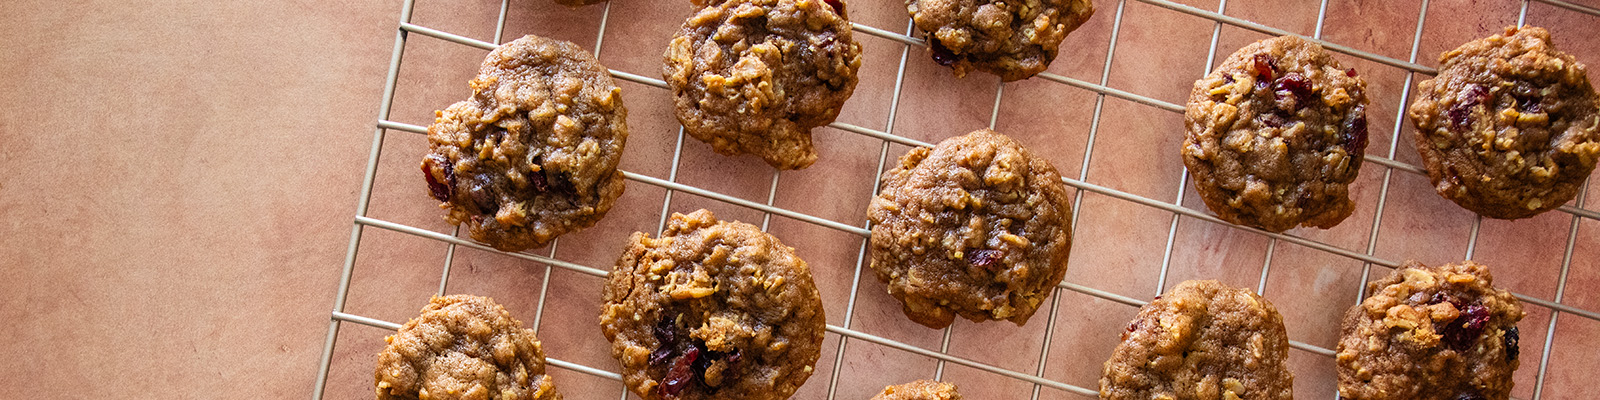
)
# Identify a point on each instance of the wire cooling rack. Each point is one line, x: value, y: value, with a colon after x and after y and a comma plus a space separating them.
x: 911, y: 51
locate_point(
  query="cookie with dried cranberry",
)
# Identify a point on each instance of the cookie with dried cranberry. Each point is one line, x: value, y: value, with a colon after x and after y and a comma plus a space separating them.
x: 755, y: 76
x: 1428, y: 333
x: 920, y: 390
x: 533, y: 154
x: 463, y: 347
x: 1202, y: 340
x: 712, y: 310
x: 1509, y: 128
x: 1014, y: 39
x: 1276, y: 134
x: 977, y: 226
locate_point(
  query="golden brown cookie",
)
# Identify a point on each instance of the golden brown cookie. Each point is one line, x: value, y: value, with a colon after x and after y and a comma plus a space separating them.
x: 712, y: 310
x: 1275, y: 136
x: 920, y: 390
x: 1430, y: 333
x: 1202, y: 340
x: 755, y: 76
x: 1014, y: 39
x: 1509, y: 128
x: 976, y: 226
x: 533, y: 154
x: 463, y: 347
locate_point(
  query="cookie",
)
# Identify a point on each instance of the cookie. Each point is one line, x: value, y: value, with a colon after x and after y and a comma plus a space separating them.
x: 1430, y: 333
x: 1509, y: 128
x: 712, y: 310
x: 920, y: 390
x: 1202, y: 340
x: 976, y: 226
x: 1276, y: 134
x: 1014, y: 39
x: 533, y: 154
x: 755, y: 76
x: 463, y: 347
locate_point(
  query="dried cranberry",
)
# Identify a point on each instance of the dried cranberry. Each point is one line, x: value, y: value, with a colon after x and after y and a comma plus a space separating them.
x: 735, y: 356
x: 1511, y: 340
x: 1264, y: 69
x: 661, y: 355
x: 1531, y: 105
x: 1292, y: 84
x: 941, y: 54
x: 1463, y: 331
x: 986, y: 259
x: 681, y: 374
x: 1461, y: 112
x: 440, y: 190
x: 1354, y: 132
x: 838, y: 6
x: 1350, y: 72
x: 484, y: 197
x: 536, y: 181
x: 665, y: 331
x: 1470, y: 396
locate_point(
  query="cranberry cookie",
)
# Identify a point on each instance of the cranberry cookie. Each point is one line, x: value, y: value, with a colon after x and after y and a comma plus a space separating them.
x: 463, y: 347
x: 712, y: 310
x: 1430, y: 333
x: 754, y: 76
x: 1014, y: 39
x: 1275, y: 136
x: 533, y: 154
x: 1509, y: 128
x: 1202, y: 340
x: 976, y: 226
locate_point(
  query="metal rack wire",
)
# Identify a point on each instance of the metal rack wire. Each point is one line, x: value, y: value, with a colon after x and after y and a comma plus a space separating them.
x: 384, y: 125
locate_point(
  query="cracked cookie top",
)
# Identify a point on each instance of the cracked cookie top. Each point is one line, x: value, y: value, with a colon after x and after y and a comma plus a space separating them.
x: 1014, y: 39
x: 1202, y: 340
x: 1276, y: 134
x: 977, y: 226
x: 533, y: 154
x: 1509, y: 128
x: 712, y: 310
x: 755, y: 76
x: 463, y: 347
x: 1430, y: 333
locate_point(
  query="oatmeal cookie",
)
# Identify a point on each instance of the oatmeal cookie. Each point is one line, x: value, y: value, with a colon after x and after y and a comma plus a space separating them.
x: 1508, y: 129
x: 533, y: 154
x: 1430, y: 333
x: 1202, y: 340
x: 712, y: 310
x: 463, y: 347
x: 1275, y: 136
x: 754, y: 76
x: 976, y: 226
x: 920, y: 390
x: 1014, y: 39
